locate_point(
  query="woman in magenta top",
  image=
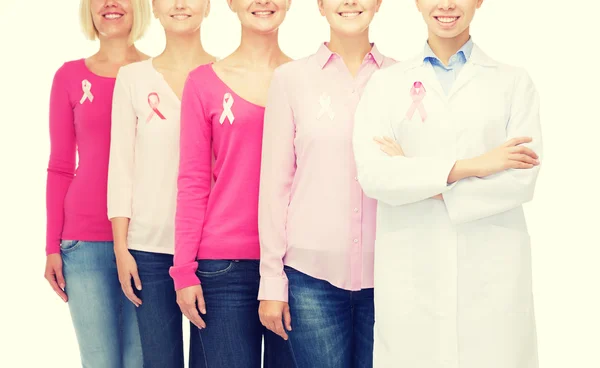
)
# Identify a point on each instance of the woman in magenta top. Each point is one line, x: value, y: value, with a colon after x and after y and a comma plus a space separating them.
x: 216, y: 262
x: 317, y: 228
x: 80, y: 263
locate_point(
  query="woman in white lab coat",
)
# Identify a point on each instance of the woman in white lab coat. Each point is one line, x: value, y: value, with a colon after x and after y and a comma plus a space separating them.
x: 452, y: 255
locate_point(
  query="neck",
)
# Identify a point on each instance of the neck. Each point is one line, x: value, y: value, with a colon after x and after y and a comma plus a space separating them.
x: 352, y: 49
x: 183, y: 51
x: 260, y: 49
x: 117, y: 51
x: 444, y: 48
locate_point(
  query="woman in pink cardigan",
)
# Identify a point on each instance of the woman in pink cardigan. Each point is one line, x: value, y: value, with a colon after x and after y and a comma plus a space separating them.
x: 216, y: 228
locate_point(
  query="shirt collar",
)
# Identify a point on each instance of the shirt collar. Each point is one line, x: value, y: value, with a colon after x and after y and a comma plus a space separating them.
x: 324, y: 55
x: 477, y: 57
x: 464, y: 53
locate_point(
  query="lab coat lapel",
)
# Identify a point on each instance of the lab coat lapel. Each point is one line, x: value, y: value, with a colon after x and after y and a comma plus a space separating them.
x: 419, y: 71
x: 475, y: 65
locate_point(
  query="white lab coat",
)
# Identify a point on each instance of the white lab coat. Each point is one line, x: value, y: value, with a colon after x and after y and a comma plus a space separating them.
x: 452, y: 277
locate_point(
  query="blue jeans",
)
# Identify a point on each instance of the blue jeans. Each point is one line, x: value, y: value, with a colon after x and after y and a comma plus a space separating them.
x: 233, y: 333
x: 159, y: 316
x: 331, y: 327
x: 104, y: 319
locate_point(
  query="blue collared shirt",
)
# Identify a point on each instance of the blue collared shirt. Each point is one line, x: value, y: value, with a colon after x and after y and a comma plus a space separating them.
x: 447, y: 74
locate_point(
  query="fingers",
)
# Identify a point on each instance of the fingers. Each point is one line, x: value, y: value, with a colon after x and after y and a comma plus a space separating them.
x: 520, y: 165
x: 55, y: 284
x: 389, y: 146
x: 60, y: 278
x: 271, y: 316
x: 128, y: 291
x: 380, y: 141
x: 191, y: 312
x: 276, y: 325
x: 287, y: 318
x: 190, y: 301
x: 136, y: 279
x: 516, y: 141
x: 523, y: 158
x: 524, y: 150
x: 200, y: 302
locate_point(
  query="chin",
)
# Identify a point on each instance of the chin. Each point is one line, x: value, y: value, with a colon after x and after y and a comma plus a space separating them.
x: 182, y: 29
x: 265, y: 28
x: 115, y: 33
x: 350, y: 31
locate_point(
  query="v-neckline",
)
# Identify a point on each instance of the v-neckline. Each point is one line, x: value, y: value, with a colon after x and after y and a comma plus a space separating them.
x: 162, y: 77
x: 212, y: 70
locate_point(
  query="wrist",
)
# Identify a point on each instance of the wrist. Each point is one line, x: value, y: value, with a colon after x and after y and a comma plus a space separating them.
x: 121, y: 247
x: 463, y: 169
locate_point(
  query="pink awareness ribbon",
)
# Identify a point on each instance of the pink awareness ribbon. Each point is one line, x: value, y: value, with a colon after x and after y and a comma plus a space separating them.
x: 153, y: 101
x: 417, y: 93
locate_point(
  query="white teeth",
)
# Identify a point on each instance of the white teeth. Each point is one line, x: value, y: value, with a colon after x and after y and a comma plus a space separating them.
x: 180, y: 17
x: 113, y: 16
x: 447, y: 19
x: 349, y: 14
x: 263, y: 13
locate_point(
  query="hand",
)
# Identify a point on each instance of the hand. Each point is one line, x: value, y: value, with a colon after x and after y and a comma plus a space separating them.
x: 54, y: 275
x: 389, y: 146
x: 510, y: 155
x: 127, y: 268
x: 190, y: 300
x: 273, y: 314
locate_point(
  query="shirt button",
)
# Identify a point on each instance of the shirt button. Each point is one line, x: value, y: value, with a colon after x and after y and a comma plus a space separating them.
x: 355, y: 240
x: 355, y: 209
x: 355, y: 178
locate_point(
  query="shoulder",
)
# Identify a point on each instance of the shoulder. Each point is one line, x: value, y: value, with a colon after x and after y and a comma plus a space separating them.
x: 135, y: 71
x: 391, y: 71
x: 200, y: 73
x: 70, y: 69
x: 504, y: 72
x: 292, y: 68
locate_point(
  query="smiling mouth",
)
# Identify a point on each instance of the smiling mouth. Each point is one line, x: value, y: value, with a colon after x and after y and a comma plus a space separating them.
x: 112, y: 16
x: 180, y: 16
x: 263, y: 13
x: 446, y: 20
x: 352, y: 14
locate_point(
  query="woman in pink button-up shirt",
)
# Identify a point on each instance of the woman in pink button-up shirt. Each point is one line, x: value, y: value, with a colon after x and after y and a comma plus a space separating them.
x: 316, y: 225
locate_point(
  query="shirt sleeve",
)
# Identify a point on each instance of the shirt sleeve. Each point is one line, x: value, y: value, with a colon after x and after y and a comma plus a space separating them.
x: 475, y: 198
x: 278, y: 168
x: 122, y: 150
x: 61, y: 165
x: 193, y: 186
x: 396, y: 180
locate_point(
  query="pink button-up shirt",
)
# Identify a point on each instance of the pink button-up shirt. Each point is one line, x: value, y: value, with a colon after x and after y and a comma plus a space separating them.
x: 313, y: 214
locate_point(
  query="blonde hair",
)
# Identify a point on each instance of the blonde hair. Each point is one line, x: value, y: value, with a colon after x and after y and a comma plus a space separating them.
x: 141, y: 20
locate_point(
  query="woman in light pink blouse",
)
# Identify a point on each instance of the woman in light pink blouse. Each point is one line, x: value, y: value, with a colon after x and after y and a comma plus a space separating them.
x: 80, y: 263
x: 216, y: 263
x: 317, y: 228
x: 142, y: 179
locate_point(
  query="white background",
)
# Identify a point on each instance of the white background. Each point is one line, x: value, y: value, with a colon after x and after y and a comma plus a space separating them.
x: 556, y: 41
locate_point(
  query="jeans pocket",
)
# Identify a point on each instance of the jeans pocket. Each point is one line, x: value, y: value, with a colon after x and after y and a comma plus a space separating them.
x: 207, y: 268
x: 69, y: 245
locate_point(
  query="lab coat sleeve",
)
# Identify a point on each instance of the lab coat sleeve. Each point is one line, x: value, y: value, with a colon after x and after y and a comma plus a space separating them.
x: 394, y: 180
x: 475, y: 198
